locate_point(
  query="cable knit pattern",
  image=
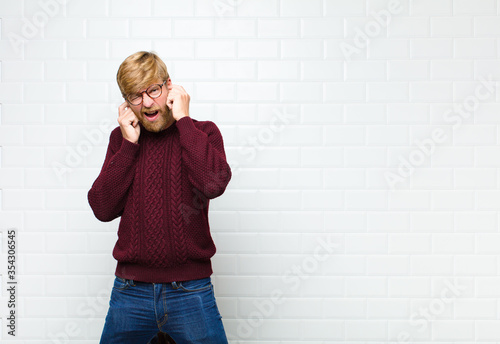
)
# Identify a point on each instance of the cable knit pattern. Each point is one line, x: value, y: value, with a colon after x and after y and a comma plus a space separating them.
x: 150, y: 184
x: 154, y: 198
x: 178, y: 234
x: 133, y: 255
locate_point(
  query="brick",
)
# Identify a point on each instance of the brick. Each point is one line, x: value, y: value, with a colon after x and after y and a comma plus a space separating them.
x: 434, y: 48
x: 382, y: 48
x: 366, y: 286
x: 409, y: 286
x: 130, y: 8
x: 66, y: 199
x: 432, y: 7
x: 401, y: 7
x: 11, y: 135
x: 480, y: 7
x: 253, y: 91
x: 475, y: 178
x: 392, y: 135
x: 337, y: 92
x: 11, y: 92
x: 430, y: 91
x: 46, y: 92
x: 372, y: 329
x: 92, y: 8
x: 22, y: 71
x: 474, y: 48
x: 166, y: 8
x: 304, y: 48
x: 65, y: 28
x: 408, y: 27
x: 261, y: 179
x: 258, y: 48
x: 322, y: 199
x: 387, y: 308
x: 257, y: 8
x: 88, y: 92
x: 363, y: 114
x: 278, y: 70
x: 22, y: 156
x: 297, y: 8
x: 174, y: 48
x: 14, y: 9
x: 304, y: 92
x: 342, y: 8
x: 452, y: 70
x: 451, y: 27
x: 279, y: 200
x: 278, y: 28
x: 453, y: 330
x: 474, y: 309
x: 408, y: 70
x: 11, y: 178
x: 363, y: 29
x: 486, y: 26
x: 87, y: 49
x: 302, y: 178
x: 110, y: 28
x: 387, y: 92
x: 235, y: 28
x: 45, y: 264
x: 121, y: 49
x: 364, y: 70
x: 65, y: 70
x: 239, y: 70
x: 199, y: 28
x: 322, y: 28
x: 431, y: 265
x: 150, y: 28
x: 215, y: 49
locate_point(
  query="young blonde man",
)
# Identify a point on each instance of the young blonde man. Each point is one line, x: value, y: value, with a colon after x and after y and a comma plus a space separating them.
x: 160, y: 171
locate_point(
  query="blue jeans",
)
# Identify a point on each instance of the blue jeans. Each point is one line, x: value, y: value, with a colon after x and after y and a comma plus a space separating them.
x: 187, y: 311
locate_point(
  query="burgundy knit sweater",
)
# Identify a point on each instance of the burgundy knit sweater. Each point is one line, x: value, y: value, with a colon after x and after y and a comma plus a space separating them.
x: 161, y: 188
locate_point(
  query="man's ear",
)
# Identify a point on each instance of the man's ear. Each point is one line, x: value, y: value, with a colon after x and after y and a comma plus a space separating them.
x: 169, y: 84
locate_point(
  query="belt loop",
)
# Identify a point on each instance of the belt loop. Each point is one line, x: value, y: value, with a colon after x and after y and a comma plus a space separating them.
x: 174, y: 285
x: 131, y: 282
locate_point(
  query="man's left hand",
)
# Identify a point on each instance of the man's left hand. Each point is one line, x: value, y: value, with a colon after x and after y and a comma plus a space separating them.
x: 178, y: 102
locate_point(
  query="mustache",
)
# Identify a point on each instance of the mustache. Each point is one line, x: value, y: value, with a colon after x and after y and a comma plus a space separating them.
x: 150, y: 109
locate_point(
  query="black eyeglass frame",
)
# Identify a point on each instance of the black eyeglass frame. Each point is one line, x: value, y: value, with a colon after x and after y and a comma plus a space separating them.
x: 146, y: 91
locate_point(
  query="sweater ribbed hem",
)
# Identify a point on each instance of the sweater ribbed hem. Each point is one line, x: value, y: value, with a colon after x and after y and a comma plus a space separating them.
x: 129, y: 149
x: 190, y: 271
x: 185, y: 125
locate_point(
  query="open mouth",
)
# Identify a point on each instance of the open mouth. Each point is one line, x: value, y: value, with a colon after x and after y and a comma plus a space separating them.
x: 151, y: 116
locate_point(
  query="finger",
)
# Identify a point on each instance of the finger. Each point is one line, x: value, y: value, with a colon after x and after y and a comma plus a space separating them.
x: 121, y: 108
x: 177, y: 89
x: 135, y: 120
x: 180, y: 88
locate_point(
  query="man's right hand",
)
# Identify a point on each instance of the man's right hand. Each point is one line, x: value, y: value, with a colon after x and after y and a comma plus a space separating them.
x: 129, y: 123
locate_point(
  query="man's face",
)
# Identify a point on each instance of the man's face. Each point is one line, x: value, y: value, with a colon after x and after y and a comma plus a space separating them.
x: 153, y: 113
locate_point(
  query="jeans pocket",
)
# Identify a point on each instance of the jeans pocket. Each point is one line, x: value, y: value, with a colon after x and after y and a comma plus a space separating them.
x: 195, y: 285
x: 120, y: 283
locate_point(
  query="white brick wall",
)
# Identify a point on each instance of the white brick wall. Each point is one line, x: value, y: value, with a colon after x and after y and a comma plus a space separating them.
x: 314, y: 243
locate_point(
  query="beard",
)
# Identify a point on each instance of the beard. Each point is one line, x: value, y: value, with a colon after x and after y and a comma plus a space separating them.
x: 163, y: 118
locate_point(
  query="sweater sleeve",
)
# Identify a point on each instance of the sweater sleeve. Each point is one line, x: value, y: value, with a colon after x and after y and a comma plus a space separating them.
x: 108, y: 193
x: 203, y: 155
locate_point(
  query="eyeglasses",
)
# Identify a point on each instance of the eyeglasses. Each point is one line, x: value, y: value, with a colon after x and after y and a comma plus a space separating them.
x: 153, y: 91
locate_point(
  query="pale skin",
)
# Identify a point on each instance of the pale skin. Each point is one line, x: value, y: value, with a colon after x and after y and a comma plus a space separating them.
x: 172, y: 105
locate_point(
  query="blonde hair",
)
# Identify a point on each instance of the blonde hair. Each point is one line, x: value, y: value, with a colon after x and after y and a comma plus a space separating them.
x: 140, y: 70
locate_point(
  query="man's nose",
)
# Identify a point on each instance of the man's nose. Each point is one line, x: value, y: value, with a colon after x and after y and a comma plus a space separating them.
x: 147, y: 101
